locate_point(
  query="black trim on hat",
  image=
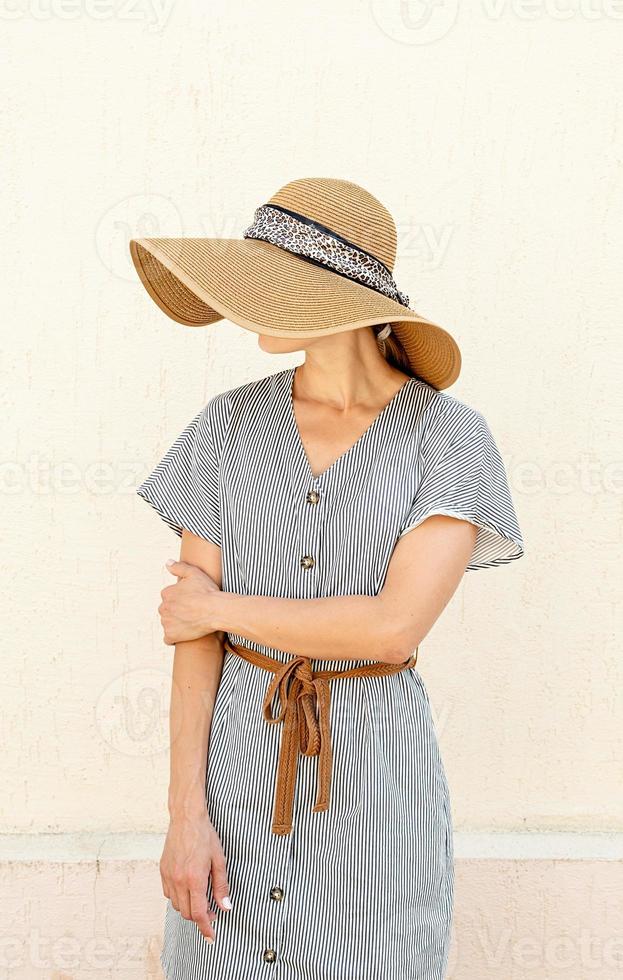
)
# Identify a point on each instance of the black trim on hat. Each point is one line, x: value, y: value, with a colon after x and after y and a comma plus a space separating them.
x: 328, y: 231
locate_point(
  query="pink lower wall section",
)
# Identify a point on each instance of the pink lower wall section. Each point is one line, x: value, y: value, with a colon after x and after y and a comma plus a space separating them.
x: 98, y: 920
x: 538, y: 919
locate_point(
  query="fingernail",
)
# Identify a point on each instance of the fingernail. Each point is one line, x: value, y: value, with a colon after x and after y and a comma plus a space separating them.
x: 210, y: 939
x: 226, y: 903
x: 170, y: 561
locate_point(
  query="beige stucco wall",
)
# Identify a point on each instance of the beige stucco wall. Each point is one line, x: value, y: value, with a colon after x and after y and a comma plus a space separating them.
x: 493, y: 133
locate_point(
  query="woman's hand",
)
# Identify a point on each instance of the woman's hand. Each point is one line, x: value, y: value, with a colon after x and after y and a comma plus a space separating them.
x: 185, y: 608
x: 192, y: 855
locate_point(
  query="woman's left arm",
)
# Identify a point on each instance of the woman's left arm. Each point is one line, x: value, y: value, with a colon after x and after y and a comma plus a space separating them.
x: 424, y: 572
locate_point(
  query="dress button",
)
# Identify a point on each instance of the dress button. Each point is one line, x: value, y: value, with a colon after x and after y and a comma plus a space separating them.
x: 313, y: 497
x: 276, y: 893
x: 307, y: 561
x: 269, y: 955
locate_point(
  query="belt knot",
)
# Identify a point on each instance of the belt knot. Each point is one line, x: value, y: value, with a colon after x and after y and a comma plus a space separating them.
x: 304, y: 698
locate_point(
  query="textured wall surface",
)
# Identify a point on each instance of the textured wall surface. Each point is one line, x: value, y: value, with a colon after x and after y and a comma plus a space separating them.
x: 492, y: 131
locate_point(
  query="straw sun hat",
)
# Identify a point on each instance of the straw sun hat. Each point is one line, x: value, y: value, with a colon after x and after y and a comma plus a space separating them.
x: 317, y: 259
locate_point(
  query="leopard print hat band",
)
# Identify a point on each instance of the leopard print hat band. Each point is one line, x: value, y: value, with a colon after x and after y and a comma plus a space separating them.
x: 312, y: 241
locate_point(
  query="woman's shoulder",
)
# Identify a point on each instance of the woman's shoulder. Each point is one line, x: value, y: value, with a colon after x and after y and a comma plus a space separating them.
x: 248, y: 391
x: 241, y: 400
x: 444, y: 414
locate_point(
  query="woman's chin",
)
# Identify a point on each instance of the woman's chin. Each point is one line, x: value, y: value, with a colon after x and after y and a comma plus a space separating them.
x: 277, y: 345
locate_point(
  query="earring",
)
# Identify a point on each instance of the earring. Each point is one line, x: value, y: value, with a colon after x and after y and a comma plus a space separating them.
x: 382, y: 335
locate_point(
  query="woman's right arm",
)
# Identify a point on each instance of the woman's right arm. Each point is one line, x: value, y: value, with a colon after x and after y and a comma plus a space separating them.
x: 193, y: 852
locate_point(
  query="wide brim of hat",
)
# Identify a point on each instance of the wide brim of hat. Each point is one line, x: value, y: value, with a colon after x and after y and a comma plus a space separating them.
x: 264, y: 288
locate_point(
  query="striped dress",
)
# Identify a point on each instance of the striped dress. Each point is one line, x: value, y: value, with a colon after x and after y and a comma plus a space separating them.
x: 363, y: 890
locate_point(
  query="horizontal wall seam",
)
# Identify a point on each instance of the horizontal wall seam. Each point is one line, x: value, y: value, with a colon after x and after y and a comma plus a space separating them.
x: 89, y: 847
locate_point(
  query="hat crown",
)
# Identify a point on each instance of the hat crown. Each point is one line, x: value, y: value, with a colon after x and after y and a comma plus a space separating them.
x: 346, y: 209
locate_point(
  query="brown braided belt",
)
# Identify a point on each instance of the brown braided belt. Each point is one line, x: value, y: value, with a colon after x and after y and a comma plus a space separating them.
x: 304, y: 697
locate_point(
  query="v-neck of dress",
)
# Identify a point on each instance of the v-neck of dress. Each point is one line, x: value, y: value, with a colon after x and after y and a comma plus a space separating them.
x: 352, y: 449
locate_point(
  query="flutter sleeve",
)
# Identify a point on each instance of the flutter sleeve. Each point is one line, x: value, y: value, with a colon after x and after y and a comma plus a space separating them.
x: 461, y: 474
x: 184, y: 487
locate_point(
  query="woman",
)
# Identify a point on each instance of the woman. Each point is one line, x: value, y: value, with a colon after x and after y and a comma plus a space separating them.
x: 327, y: 514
